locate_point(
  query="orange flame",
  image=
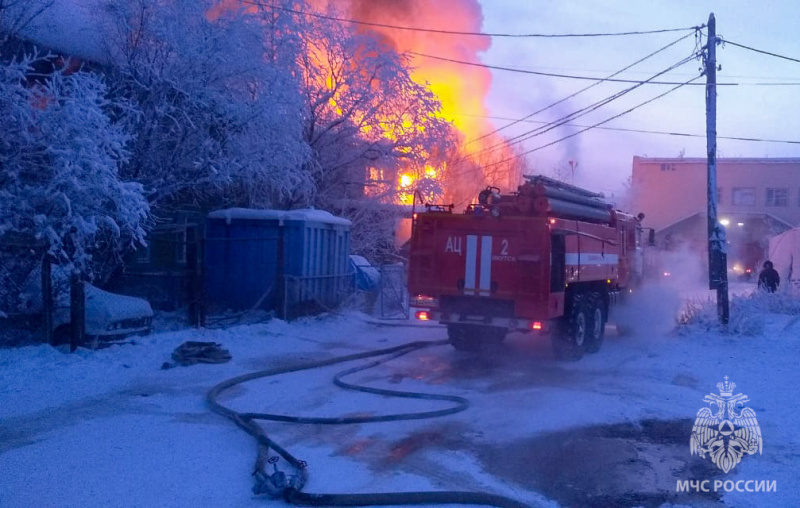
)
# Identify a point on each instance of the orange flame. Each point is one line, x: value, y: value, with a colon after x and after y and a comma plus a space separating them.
x: 461, y: 89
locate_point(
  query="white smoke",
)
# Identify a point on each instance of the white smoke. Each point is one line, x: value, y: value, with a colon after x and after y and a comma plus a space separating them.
x: 671, y: 278
x: 651, y: 309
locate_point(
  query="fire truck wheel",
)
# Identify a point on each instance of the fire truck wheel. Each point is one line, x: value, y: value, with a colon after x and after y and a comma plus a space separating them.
x: 460, y: 338
x: 596, y: 325
x: 569, y: 342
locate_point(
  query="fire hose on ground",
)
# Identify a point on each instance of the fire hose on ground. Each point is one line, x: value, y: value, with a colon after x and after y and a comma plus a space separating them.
x: 278, y: 484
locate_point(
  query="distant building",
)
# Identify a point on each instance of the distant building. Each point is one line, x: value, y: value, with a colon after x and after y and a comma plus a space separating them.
x: 757, y: 198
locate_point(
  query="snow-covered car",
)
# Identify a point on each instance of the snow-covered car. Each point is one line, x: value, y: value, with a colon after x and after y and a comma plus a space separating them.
x: 367, y: 282
x: 368, y: 277
x: 108, y: 316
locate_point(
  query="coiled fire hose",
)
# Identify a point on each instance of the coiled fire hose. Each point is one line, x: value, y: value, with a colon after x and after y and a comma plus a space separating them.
x: 279, y: 484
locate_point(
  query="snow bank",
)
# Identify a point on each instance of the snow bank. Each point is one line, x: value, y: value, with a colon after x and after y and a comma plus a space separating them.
x: 749, y: 314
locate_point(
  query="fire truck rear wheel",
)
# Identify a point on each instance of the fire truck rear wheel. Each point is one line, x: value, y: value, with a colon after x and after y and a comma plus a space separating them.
x: 596, y: 325
x: 569, y: 341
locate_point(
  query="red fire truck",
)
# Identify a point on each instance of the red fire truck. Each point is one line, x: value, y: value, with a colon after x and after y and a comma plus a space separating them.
x: 550, y: 257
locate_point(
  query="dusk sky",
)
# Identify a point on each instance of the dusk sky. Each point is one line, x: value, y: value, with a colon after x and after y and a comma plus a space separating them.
x: 769, y: 112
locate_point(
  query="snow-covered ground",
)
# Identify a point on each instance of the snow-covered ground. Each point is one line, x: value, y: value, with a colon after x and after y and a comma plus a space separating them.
x: 111, y: 428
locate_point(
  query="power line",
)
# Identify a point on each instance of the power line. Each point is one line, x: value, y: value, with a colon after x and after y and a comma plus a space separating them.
x: 587, y: 78
x: 676, y: 74
x: 467, y: 33
x: 663, y: 48
x: 548, y: 74
x: 760, y: 51
x: 579, y: 113
x: 639, y: 131
x: 517, y: 156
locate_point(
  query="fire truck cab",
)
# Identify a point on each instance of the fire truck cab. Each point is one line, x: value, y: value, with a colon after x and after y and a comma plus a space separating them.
x: 549, y: 257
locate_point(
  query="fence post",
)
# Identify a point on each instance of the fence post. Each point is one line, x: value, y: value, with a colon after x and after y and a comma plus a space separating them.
x: 193, y: 269
x: 202, y: 310
x: 280, y: 275
x: 47, y: 298
x: 77, y: 309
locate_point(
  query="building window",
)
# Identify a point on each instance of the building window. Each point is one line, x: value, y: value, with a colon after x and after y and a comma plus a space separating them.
x: 744, y: 196
x: 777, y: 197
x: 667, y: 167
x: 719, y: 195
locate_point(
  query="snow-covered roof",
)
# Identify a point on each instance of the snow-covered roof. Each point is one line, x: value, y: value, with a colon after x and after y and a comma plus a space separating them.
x: 74, y: 27
x: 304, y: 214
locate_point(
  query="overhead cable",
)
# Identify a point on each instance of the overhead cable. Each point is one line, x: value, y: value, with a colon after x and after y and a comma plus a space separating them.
x: 468, y: 33
x: 641, y: 104
x: 638, y: 131
x: 663, y: 48
x: 776, y: 55
x: 578, y: 113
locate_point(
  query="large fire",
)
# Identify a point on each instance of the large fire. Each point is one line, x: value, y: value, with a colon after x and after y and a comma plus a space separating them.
x: 460, y: 89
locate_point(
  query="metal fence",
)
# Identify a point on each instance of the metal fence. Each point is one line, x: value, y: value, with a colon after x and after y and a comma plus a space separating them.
x: 166, y: 290
x: 393, y: 295
x: 309, y: 295
x: 21, y: 295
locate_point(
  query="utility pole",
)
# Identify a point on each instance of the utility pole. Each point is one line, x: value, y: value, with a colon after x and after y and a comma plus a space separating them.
x: 717, y: 241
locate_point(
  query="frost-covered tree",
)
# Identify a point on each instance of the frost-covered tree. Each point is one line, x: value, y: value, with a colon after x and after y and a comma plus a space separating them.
x: 217, y: 103
x: 59, y: 160
x: 367, y: 122
x: 364, y: 111
x: 16, y: 15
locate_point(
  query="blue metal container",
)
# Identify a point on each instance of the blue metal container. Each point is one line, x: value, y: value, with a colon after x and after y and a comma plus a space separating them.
x: 294, y: 261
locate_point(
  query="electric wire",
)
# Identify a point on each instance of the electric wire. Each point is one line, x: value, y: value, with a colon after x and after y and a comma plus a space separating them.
x: 638, y: 131
x: 464, y: 32
x: 575, y: 114
x: 641, y: 104
x: 776, y: 55
x: 585, y: 78
x: 663, y: 48
x: 547, y: 74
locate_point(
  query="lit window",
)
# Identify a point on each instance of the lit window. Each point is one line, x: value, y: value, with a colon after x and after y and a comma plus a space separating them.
x: 744, y: 196
x: 777, y: 197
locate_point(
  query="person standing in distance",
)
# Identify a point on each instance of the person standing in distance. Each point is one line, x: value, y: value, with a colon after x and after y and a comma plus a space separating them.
x: 768, y: 279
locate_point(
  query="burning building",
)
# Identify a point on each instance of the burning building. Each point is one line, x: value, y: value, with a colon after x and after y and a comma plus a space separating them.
x: 471, y: 163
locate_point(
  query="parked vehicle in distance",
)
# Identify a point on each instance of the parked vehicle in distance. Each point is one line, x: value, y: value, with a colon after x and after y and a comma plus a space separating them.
x: 108, y: 316
x: 367, y: 282
x: 368, y: 277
